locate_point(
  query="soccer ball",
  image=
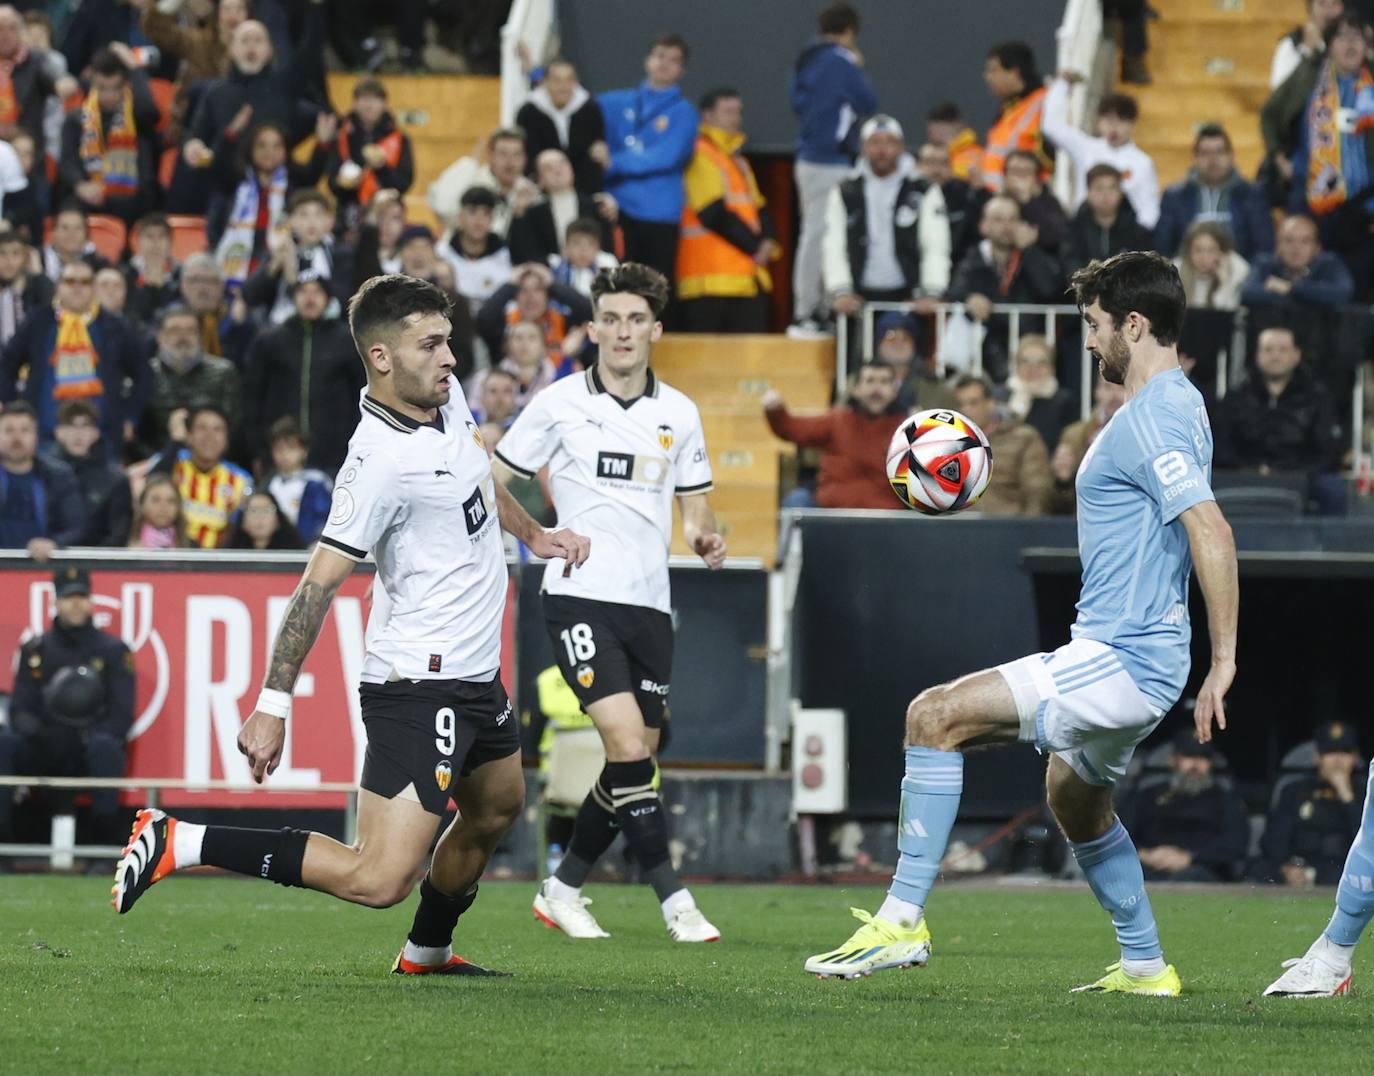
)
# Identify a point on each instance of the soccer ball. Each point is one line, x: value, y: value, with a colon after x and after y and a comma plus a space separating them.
x: 939, y: 462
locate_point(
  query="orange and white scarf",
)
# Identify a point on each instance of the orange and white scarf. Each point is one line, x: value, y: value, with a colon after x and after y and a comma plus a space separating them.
x: 75, y: 364
x: 1326, y: 181
x: 111, y: 157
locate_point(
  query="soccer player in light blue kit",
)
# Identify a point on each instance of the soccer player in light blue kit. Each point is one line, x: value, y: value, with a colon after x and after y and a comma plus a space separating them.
x: 1146, y: 517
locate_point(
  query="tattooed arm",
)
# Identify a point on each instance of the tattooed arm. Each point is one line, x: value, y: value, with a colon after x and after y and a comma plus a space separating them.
x: 263, y: 735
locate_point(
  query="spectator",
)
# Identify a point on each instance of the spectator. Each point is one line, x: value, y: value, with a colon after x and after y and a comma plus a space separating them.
x: 1021, y: 481
x: 1039, y: 207
x: 1075, y: 440
x: 560, y: 114
x: 503, y: 175
x: 537, y: 234
x: 37, y: 194
x: 353, y: 34
x: 1281, y: 418
x: 41, y: 505
x: 261, y: 524
x: 582, y: 257
x: 150, y: 274
x: 110, y: 143
x: 1211, y: 270
x: 532, y: 295
x: 77, y: 351
x: 111, y: 291
x: 1135, y: 42
x: 829, y: 93
x: 25, y: 85
x: 382, y: 234
x: 921, y: 386
x: 963, y: 203
x: 1013, y: 78
x: 946, y: 127
x: 1033, y: 393
x: 887, y: 237
x: 70, y: 242
x: 1315, y: 819
x: 372, y: 154
x: 651, y: 129
x: 306, y: 247
x: 212, y: 488
x: 1215, y: 191
x: 72, y: 707
x: 1105, y: 223
x: 1303, y: 42
x: 499, y: 398
x: 252, y: 178
x: 185, y: 377
x: 1192, y: 828
x: 853, y: 440
x: 1114, y: 145
x: 480, y: 259
x: 306, y: 367
x: 159, y: 522
x: 1299, y: 272
x: 224, y: 326
x: 301, y: 492
x: 527, y: 360
x: 203, y: 50
x: 18, y: 203
x: 104, y: 485
x: 20, y: 293
x: 727, y: 239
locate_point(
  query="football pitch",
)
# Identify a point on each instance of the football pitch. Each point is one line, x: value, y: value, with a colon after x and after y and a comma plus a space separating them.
x: 221, y: 975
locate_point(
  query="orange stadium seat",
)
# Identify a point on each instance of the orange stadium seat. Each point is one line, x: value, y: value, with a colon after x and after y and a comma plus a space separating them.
x: 167, y: 166
x: 188, y: 236
x: 163, y: 92
x: 109, y: 234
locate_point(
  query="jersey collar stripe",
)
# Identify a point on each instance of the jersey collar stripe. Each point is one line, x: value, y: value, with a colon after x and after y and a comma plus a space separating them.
x: 523, y: 472
x: 705, y: 487
x: 596, y: 388
x: 398, y: 421
x: 347, y: 550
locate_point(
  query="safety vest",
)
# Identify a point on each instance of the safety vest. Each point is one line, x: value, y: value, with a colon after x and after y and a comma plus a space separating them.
x: 965, y: 154
x: 707, y: 264
x: 1018, y: 127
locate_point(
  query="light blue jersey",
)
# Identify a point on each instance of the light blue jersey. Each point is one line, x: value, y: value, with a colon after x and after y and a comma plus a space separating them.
x: 1152, y: 462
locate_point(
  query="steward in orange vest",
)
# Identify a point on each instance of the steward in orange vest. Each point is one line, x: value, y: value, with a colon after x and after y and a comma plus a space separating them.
x: 1011, y: 75
x: 726, y: 239
x: 370, y: 154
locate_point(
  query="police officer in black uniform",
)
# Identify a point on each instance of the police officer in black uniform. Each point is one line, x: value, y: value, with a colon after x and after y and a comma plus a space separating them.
x: 72, y: 706
x: 1315, y: 820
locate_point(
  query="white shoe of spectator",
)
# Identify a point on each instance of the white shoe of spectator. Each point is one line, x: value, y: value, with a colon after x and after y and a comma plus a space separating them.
x: 809, y: 329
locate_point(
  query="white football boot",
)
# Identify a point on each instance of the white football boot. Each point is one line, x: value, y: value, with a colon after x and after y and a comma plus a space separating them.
x: 571, y: 917
x: 689, y: 925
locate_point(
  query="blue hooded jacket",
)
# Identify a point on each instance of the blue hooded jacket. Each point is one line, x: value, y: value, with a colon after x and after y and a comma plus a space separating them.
x: 652, y: 135
x: 830, y: 94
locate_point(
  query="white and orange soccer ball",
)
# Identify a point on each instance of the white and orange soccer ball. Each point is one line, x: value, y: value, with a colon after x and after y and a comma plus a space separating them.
x: 939, y: 462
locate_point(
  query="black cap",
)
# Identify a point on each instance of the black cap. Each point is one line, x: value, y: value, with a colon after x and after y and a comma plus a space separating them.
x: 1185, y: 743
x: 414, y: 231
x: 69, y: 581
x: 1336, y: 736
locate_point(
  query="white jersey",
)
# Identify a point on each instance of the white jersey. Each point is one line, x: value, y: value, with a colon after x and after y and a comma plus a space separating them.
x: 615, y: 467
x: 421, y: 498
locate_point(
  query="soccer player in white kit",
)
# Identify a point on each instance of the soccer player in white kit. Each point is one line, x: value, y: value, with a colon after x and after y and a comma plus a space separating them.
x: 620, y: 447
x: 1146, y: 517
x: 417, y: 492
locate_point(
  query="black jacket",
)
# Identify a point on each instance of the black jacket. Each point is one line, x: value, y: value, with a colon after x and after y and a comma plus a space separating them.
x: 71, y: 169
x: 533, y: 236
x: 1036, y: 280
x: 109, y: 501
x: 312, y: 373
x: 586, y: 126
x: 1086, y: 239
x: 62, y: 513
x: 32, y: 88
x: 906, y: 225
x: 1298, y: 431
x: 59, y: 647
x: 273, y: 93
x: 1211, y: 825
x: 1310, y: 823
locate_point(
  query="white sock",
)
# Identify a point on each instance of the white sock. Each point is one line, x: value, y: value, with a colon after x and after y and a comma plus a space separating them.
x: 428, y: 955
x: 1332, y: 955
x: 557, y: 890
x: 676, y: 902
x: 1143, y: 969
x: 186, y: 841
x: 902, y: 912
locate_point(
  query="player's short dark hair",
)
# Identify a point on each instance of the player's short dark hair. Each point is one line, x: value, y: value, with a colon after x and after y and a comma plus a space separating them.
x: 711, y: 98
x: 1211, y: 130
x: 384, y: 302
x: 106, y: 63
x: 309, y: 196
x: 1135, y: 280
x: 837, y: 18
x: 154, y: 220
x: 632, y: 278
x: 177, y: 310
x: 369, y: 87
x: 18, y: 407
x: 205, y: 408
x: 286, y: 428
x: 969, y: 380
x: 672, y: 41
x: 584, y: 226
x: 72, y: 410
x: 945, y: 112
x: 506, y: 134
x: 478, y: 198
x: 1022, y: 155
x: 1017, y: 56
x: 1121, y: 105
x: 1099, y: 170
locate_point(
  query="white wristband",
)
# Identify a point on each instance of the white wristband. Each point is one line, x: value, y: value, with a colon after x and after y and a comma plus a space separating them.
x: 276, y: 703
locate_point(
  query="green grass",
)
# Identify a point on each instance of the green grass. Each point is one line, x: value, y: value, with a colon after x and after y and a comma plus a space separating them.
x: 219, y: 975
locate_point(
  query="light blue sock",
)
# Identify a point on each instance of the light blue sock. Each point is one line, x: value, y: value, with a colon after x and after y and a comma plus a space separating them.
x: 1113, y: 870
x: 1355, y: 894
x: 931, y: 789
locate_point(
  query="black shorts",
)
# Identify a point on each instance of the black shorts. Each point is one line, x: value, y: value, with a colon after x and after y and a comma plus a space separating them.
x: 604, y: 648
x: 428, y: 732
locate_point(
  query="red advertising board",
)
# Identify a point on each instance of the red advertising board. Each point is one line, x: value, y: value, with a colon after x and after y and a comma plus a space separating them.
x: 201, y: 642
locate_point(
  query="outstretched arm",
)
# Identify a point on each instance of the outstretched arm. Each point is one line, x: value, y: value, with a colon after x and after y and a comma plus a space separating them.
x: 264, y: 733
x: 699, y: 528
x: 1214, y: 559
x: 542, y: 541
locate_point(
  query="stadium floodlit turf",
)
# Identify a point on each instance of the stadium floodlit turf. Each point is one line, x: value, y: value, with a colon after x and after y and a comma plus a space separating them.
x: 220, y: 975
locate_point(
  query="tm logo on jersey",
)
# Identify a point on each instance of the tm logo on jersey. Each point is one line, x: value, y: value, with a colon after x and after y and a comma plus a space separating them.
x: 475, y: 514
x: 628, y: 470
